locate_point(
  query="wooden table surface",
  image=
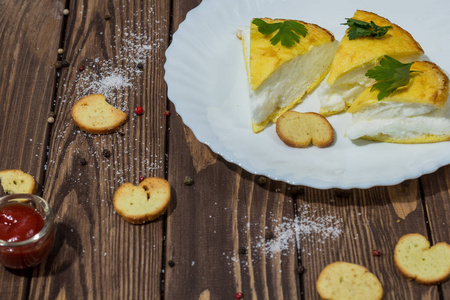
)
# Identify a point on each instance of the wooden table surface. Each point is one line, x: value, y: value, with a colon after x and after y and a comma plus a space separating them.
x: 220, y: 235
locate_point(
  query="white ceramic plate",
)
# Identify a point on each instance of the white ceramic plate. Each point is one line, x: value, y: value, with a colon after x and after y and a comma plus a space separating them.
x: 207, y: 82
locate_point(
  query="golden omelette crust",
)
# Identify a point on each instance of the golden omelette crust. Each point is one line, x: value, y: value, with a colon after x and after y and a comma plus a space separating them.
x: 265, y: 58
x: 353, y: 54
x: 429, y: 86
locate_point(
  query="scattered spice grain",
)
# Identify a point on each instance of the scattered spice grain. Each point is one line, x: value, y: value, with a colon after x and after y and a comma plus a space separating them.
x: 301, y: 269
x: 139, y: 110
x: 188, y: 180
x: 106, y: 153
x: 341, y: 193
x: 376, y: 252
x: 242, y: 250
x: 262, y: 180
x: 269, y: 234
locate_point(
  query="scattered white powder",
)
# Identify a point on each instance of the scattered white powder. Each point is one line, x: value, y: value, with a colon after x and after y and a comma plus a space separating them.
x: 289, y: 235
x: 316, y: 230
x: 116, y: 72
x: 113, y: 82
x: 116, y: 77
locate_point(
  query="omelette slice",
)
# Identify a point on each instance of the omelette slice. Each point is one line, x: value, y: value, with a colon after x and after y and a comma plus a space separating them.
x: 280, y: 76
x: 416, y: 113
x: 355, y: 56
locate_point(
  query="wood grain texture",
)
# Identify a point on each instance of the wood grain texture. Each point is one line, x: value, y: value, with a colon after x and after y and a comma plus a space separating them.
x: 98, y: 255
x: 230, y: 231
x: 225, y: 213
x: 366, y: 220
x: 30, y: 33
x: 436, y: 193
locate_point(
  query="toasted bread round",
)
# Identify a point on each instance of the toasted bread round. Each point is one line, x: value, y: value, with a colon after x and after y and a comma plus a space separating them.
x: 415, y: 259
x: 299, y: 130
x: 346, y: 281
x: 94, y: 115
x: 142, y: 203
x: 17, y: 182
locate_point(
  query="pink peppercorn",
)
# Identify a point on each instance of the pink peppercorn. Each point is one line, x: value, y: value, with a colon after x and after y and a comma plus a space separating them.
x: 138, y: 110
x: 376, y: 252
x: 81, y: 68
x: 238, y: 295
x: 141, y: 178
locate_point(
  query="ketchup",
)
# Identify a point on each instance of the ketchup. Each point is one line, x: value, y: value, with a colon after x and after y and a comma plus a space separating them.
x: 19, y: 223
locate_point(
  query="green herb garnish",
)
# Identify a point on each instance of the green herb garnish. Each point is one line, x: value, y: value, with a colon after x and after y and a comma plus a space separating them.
x: 361, y: 29
x: 288, y: 31
x: 390, y: 75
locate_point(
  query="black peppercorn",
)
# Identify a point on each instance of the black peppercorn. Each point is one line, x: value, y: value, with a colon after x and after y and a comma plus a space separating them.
x: 301, y: 269
x: 341, y: 193
x: 242, y: 250
x: 269, y: 235
x: 106, y: 153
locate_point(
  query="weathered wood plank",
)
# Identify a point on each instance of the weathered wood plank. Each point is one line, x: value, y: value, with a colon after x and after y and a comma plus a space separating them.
x: 436, y: 191
x: 30, y: 35
x: 216, y: 228
x: 364, y: 220
x: 98, y: 255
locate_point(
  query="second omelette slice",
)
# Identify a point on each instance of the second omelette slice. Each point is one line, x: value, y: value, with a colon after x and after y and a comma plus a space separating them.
x: 280, y: 76
x: 354, y: 57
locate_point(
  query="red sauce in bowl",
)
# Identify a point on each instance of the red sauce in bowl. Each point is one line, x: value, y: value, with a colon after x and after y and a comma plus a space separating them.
x: 19, y: 223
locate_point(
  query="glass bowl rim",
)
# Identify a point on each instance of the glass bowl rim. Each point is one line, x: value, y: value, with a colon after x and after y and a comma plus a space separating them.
x: 47, y: 215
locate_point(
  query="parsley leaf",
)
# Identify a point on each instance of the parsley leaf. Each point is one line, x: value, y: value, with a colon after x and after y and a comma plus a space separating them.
x: 390, y: 75
x: 288, y: 31
x: 361, y: 29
